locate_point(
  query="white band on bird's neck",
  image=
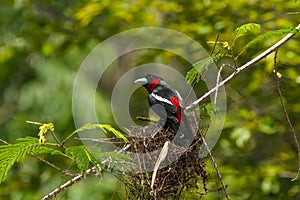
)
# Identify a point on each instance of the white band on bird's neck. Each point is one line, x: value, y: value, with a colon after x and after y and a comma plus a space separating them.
x: 159, y: 98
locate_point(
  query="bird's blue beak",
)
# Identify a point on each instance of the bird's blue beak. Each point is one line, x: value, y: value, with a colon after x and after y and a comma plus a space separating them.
x: 141, y: 81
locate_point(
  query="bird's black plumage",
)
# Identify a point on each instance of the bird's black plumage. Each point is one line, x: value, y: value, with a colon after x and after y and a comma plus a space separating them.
x: 167, y: 103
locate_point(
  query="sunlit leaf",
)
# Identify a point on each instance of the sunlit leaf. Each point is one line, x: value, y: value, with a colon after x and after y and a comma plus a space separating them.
x: 82, y: 156
x: 270, y: 34
x: 242, y: 30
x: 198, y: 69
x: 106, y: 128
x: 10, y: 154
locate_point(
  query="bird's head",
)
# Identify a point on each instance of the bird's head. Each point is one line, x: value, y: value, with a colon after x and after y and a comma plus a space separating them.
x: 150, y: 82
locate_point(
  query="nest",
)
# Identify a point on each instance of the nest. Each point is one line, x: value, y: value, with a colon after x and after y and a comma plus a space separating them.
x: 155, y: 178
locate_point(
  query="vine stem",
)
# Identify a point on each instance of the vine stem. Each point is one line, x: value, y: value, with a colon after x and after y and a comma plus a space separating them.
x: 292, y: 130
x: 238, y: 70
x: 216, y: 168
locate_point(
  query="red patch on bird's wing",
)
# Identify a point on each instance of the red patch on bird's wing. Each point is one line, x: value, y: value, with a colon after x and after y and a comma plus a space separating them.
x: 175, y: 101
x: 153, y: 84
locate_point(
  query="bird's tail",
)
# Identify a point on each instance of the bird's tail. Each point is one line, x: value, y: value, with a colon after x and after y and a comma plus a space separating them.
x: 184, y: 133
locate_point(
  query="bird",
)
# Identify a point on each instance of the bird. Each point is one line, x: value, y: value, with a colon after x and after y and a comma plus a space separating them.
x: 167, y: 103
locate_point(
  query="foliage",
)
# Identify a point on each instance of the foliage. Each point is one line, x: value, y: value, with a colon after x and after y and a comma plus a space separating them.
x: 31, y: 146
x: 10, y: 154
x: 270, y: 34
x: 242, y: 30
x: 81, y: 156
x: 198, y: 69
x: 42, y: 44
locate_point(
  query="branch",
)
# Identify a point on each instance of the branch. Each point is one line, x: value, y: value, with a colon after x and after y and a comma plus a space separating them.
x: 65, y: 172
x: 79, y: 177
x: 4, y: 142
x: 218, y: 80
x: 216, y: 168
x: 242, y: 68
x: 292, y: 130
x: 71, y: 182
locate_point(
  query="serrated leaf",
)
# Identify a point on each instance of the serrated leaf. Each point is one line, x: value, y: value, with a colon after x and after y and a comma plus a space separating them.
x: 10, y: 154
x: 270, y: 34
x: 240, y: 31
x: 198, y: 69
x: 191, y: 76
x: 104, y: 127
x: 82, y: 156
x: 211, y: 109
x: 41, y: 149
x: 201, y: 66
x: 108, y: 128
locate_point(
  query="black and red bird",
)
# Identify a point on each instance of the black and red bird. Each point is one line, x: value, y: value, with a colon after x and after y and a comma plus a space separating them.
x: 166, y: 103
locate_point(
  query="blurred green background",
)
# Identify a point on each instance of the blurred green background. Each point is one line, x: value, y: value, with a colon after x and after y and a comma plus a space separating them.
x: 42, y: 44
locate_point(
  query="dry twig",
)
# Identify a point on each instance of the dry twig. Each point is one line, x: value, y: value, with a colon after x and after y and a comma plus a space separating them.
x: 293, y: 132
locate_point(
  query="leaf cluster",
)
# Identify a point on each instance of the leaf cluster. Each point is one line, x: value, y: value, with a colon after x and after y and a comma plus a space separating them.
x: 83, y: 156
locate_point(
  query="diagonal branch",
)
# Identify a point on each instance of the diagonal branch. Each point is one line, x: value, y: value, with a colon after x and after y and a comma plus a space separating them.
x: 71, y: 182
x: 79, y: 177
x: 242, y: 68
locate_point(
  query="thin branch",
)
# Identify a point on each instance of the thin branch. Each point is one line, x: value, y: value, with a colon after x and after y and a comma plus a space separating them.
x: 242, y: 68
x: 56, y: 139
x: 217, y: 85
x: 71, y: 182
x: 45, y: 161
x: 52, y: 165
x: 102, y: 140
x: 293, y: 132
x: 4, y: 142
x: 69, y: 137
x: 224, y: 187
x: 218, y: 80
x: 215, y: 44
x: 77, y: 178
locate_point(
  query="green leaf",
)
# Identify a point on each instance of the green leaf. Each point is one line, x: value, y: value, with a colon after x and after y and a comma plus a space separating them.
x: 82, y: 156
x: 106, y: 128
x: 240, y: 31
x: 10, y: 154
x: 270, y: 34
x: 198, y: 69
x: 192, y: 76
x: 211, y: 109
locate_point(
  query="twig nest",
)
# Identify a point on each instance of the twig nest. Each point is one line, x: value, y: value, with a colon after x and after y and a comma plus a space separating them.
x: 180, y: 169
